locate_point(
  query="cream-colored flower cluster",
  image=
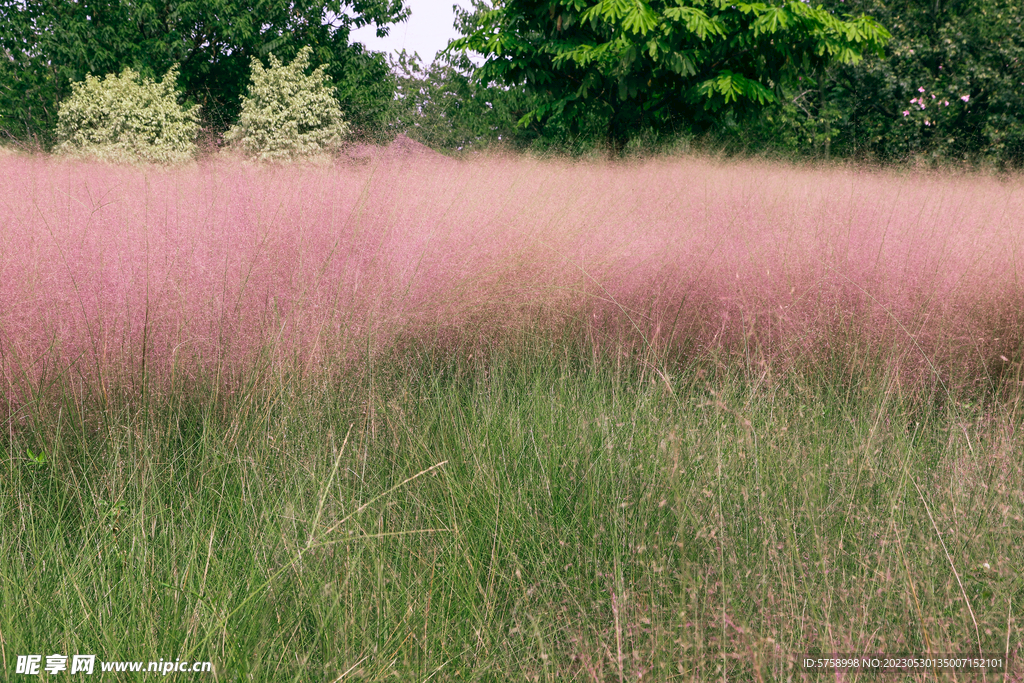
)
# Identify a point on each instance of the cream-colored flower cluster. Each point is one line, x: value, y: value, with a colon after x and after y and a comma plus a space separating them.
x: 287, y: 113
x: 126, y: 118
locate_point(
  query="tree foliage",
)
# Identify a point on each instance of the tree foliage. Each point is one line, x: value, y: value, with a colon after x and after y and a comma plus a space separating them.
x: 127, y: 118
x: 288, y: 113
x: 638, y: 63
x: 969, y: 53
x: 950, y: 87
x: 443, y: 106
x: 49, y: 44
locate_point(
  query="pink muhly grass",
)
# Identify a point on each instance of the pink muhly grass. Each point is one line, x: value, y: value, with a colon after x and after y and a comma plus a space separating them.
x: 111, y: 275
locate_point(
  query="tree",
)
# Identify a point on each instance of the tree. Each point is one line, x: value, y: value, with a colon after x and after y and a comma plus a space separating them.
x: 443, y: 106
x: 951, y: 87
x: 26, y: 78
x: 49, y: 44
x: 658, y: 63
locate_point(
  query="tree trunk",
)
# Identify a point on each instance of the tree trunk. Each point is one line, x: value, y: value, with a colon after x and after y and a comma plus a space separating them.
x: 618, y: 130
x: 822, y: 112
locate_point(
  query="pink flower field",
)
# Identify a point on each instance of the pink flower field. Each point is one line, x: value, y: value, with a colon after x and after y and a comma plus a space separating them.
x: 510, y: 418
x: 111, y: 275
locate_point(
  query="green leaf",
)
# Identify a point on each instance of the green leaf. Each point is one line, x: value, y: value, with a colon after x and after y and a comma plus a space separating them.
x: 640, y: 19
x: 696, y: 21
x: 626, y: 63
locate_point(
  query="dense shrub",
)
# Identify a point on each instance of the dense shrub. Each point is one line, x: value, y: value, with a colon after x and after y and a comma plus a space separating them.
x: 950, y: 88
x: 127, y: 118
x: 288, y: 113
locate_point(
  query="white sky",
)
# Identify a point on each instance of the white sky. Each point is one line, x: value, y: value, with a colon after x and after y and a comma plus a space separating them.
x: 427, y: 31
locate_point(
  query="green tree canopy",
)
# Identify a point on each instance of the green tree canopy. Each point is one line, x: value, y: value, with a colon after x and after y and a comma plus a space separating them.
x: 640, y: 63
x: 45, y: 45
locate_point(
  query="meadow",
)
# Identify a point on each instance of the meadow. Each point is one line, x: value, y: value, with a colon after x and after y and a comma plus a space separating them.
x: 510, y: 418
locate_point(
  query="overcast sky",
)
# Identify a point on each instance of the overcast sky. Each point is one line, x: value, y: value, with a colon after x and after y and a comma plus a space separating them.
x: 427, y: 31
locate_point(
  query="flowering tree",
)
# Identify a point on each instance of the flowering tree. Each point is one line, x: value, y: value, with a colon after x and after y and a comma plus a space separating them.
x: 922, y: 102
x: 950, y: 86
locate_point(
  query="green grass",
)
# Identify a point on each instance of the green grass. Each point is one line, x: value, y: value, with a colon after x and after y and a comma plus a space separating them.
x: 545, y: 514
